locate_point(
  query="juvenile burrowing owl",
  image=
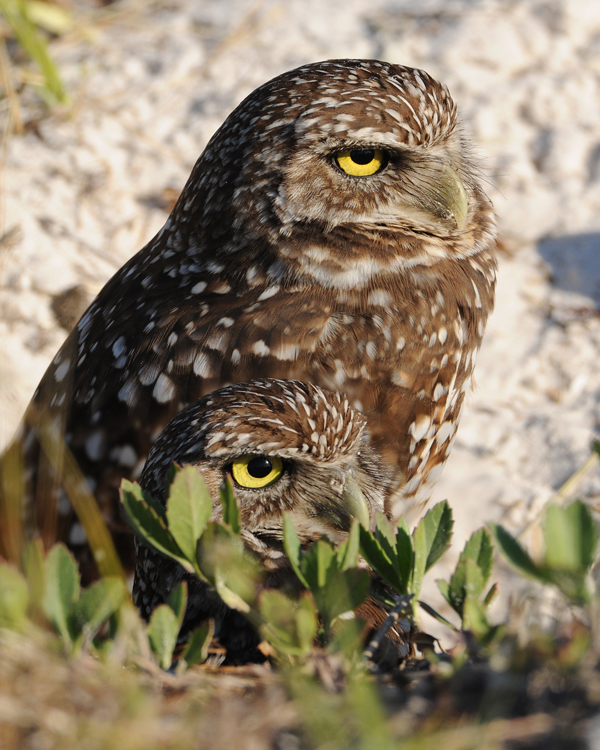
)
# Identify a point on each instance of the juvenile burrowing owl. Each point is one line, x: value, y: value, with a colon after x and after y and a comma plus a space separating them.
x: 288, y: 446
x: 335, y: 231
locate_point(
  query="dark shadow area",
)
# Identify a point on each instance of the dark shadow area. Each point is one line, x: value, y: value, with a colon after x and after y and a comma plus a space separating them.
x: 574, y: 261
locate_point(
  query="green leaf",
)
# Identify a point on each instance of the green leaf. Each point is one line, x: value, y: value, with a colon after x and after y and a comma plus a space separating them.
x: 474, y: 618
x: 228, y: 567
x: 344, y: 592
x: 347, y: 552
x: 196, y: 650
x: 444, y: 588
x: 307, y: 622
x: 479, y: 548
x: 571, y: 537
x: 188, y: 509
x: 62, y: 589
x: 162, y: 633
x: 316, y: 562
x: 572, y: 584
x: 379, y: 560
x: 431, y: 611
x: 231, y: 512
x: 96, y: 605
x: 231, y: 598
x: 149, y: 524
x: 438, y: 529
x: 491, y: 594
x: 291, y: 545
x: 178, y: 600
x: 431, y: 539
x: 404, y: 553
x: 516, y: 554
x: 289, y: 626
x: 385, y: 535
x: 14, y: 598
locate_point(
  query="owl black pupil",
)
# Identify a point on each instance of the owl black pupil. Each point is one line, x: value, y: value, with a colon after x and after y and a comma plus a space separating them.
x: 260, y: 467
x: 362, y: 155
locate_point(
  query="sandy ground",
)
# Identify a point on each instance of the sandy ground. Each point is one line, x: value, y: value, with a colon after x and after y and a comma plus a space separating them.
x: 86, y: 187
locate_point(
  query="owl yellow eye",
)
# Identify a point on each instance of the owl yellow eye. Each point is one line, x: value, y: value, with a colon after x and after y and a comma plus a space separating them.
x: 361, y: 162
x: 254, y: 472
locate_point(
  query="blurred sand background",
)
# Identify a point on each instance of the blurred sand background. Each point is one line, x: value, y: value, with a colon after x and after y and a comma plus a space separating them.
x: 82, y: 189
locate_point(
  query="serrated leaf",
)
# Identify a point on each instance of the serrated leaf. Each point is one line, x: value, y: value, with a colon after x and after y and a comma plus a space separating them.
x: 431, y: 539
x: 96, y: 605
x: 385, y: 535
x: 62, y: 589
x: 196, y: 650
x: 291, y: 545
x: 148, y: 524
x: 178, y: 600
x: 162, y: 634
x: 516, y: 554
x: 570, y: 536
x: 14, y: 598
x: 231, y: 512
x: 378, y: 559
x: 404, y: 554
x: 479, y: 548
x: 188, y: 509
x: 456, y: 590
x: 439, y: 525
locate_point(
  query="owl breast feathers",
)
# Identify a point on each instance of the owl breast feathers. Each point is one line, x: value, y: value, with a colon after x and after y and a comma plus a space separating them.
x: 333, y: 231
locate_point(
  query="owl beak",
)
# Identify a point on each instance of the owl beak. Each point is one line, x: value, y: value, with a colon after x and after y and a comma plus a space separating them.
x: 444, y: 196
x: 355, y: 503
x: 448, y: 199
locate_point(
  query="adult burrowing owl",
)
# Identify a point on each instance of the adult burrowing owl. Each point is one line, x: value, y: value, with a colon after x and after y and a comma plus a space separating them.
x: 334, y: 230
x: 289, y: 446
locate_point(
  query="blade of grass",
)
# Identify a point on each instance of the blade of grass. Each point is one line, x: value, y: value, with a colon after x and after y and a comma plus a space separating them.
x: 82, y: 500
x: 34, y: 44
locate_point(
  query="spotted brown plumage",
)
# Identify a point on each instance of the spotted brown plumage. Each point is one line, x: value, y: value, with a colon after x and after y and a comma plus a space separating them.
x: 327, y: 473
x: 277, y: 261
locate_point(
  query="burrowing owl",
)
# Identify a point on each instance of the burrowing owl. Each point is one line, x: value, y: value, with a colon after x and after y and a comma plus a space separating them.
x: 289, y: 446
x: 335, y: 231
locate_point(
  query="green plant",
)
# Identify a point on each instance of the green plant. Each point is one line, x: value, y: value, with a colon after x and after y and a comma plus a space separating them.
x: 570, y: 544
x: 402, y: 558
x: 50, y: 593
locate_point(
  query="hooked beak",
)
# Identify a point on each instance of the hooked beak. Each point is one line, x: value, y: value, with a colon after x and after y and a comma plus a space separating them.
x: 446, y: 197
x: 355, y: 503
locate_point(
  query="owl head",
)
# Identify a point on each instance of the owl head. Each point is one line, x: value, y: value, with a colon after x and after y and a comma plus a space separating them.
x: 347, y: 169
x: 288, y: 447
